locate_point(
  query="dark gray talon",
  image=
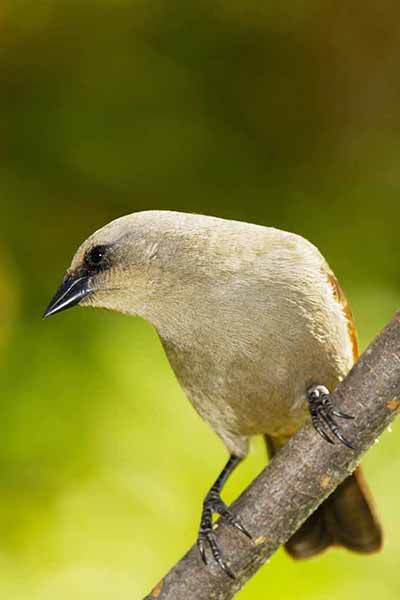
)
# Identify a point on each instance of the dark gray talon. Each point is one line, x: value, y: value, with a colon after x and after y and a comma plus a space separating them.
x: 208, y: 535
x: 214, y: 505
x: 200, y: 545
x: 340, y: 414
x: 321, y: 431
x: 217, y: 554
x: 322, y: 411
x: 334, y: 428
x: 236, y: 522
x: 233, y: 520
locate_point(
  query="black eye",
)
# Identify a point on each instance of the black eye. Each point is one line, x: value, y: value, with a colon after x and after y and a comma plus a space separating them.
x: 96, y: 257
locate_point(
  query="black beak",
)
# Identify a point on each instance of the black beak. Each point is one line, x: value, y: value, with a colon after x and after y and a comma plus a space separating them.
x: 72, y: 290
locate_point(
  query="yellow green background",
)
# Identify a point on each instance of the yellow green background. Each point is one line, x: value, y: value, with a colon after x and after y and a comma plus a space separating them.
x: 283, y: 114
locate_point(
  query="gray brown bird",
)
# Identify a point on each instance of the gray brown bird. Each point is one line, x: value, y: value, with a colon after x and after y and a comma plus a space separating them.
x: 258, y: 332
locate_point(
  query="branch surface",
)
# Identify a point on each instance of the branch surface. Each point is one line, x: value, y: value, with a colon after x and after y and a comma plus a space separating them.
x: 298, y: 479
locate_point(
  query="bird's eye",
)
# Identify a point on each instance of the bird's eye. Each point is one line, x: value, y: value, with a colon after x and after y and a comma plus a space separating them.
x: 96, y: 257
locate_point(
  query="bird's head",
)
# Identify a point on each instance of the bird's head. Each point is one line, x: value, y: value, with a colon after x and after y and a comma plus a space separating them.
x: 108, y: 270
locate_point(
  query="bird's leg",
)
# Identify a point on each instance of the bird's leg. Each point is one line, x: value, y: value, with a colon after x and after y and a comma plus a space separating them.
x: 322, y: 411
x: 213, y: 504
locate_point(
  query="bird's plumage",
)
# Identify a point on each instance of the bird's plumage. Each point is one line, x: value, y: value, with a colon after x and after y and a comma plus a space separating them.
x: 250, y: 317
x: 247, y: 315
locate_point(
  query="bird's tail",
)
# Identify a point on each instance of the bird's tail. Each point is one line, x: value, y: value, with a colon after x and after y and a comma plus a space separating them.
x: 346, y: 518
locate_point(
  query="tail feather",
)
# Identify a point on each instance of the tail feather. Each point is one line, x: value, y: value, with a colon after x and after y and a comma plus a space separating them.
x: 346, y: 519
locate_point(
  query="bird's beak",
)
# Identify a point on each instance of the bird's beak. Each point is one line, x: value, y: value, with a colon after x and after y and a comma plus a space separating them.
x: 71, y: 291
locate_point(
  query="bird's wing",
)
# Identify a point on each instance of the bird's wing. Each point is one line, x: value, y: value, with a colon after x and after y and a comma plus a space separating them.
x: 342, y: 300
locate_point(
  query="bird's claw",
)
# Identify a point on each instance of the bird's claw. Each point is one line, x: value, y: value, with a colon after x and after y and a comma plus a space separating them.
x: 322, y: 412
x: 208, y: 535
x: 214, y: 505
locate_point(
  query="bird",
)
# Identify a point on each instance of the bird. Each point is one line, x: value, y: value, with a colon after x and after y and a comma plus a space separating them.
x: 258, y: 331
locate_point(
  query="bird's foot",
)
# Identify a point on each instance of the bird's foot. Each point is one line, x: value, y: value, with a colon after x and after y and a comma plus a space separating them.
x: 214, y: 505
x: 322, y: 412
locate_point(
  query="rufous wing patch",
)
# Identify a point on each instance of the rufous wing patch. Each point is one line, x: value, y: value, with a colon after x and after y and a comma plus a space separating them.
x: 342, y: 300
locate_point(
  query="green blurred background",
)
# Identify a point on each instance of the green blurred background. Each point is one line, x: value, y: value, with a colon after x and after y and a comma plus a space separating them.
x: 283, y: 114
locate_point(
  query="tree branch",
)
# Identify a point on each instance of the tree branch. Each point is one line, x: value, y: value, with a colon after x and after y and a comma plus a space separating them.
x: 298, y: 479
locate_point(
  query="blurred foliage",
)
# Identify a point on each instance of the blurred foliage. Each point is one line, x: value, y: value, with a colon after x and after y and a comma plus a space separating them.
x: 284, y: 114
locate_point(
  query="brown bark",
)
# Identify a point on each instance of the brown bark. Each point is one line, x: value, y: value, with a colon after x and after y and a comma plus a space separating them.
x: 298, y: 479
